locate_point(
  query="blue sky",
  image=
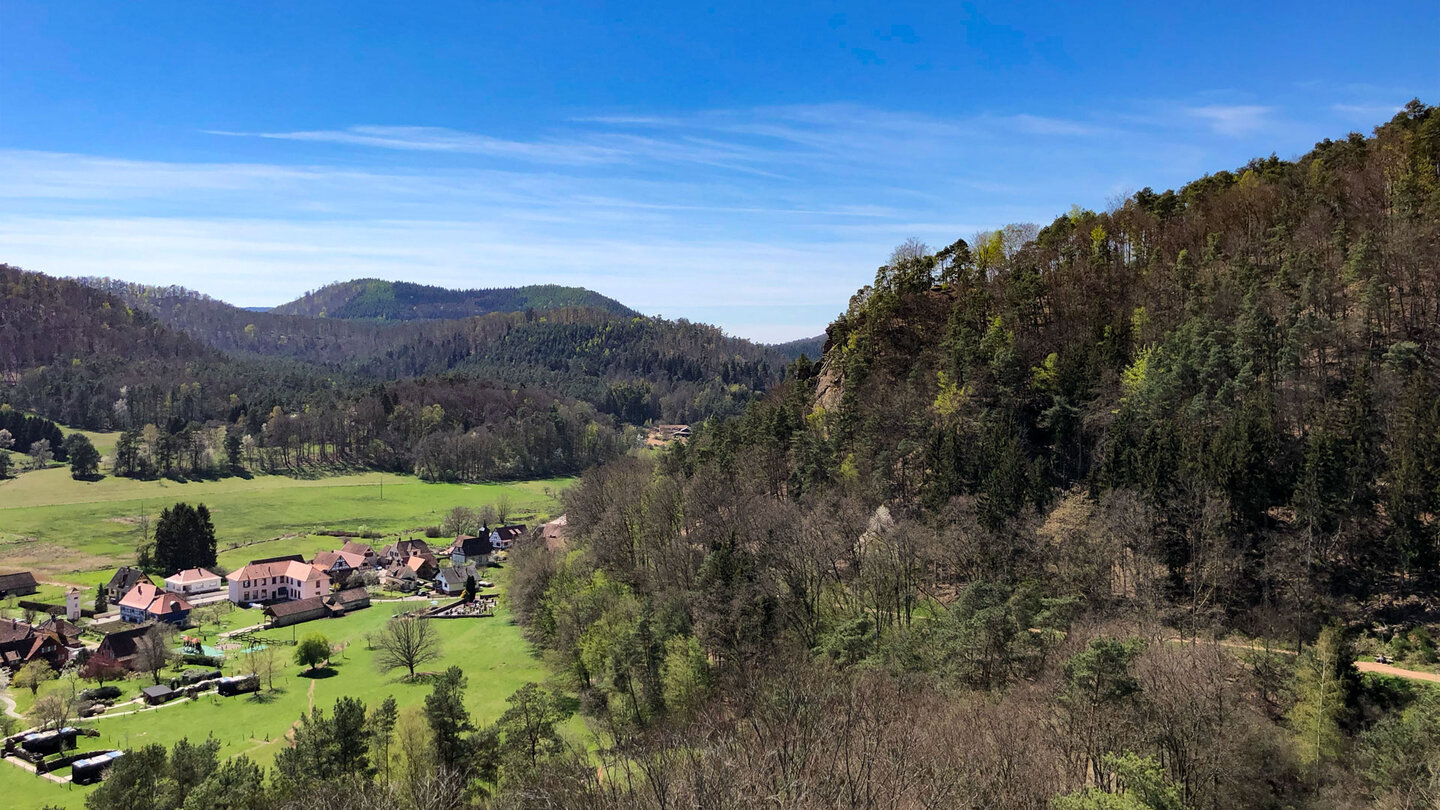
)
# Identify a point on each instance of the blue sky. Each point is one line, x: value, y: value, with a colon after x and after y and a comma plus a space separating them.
x: 744, y: 164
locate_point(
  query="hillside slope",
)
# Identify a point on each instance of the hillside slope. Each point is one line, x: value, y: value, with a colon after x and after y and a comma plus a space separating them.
x: 953, y: 564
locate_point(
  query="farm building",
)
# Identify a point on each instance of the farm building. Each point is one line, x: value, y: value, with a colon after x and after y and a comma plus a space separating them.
x: 91, y: 769
x: 282, y: 614
x: 552, y: 534
x: 19, y: 583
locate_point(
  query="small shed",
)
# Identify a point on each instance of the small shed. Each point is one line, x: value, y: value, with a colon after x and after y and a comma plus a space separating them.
x: 155, y: 695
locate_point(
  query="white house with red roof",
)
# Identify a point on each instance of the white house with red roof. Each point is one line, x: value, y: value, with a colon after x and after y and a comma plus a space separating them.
x: 191, y: 581
x: 145, y: 602
x: 278, y: 580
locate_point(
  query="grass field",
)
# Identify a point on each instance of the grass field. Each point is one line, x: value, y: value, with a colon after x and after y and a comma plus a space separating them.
x: 496, y: 659
x: 77, y: 532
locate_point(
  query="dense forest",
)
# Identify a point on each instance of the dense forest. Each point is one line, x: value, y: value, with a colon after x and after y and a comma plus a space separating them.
x: 374, y: 299
x: 203, y: 388
x: 980, y: 555
x: 634, y: 368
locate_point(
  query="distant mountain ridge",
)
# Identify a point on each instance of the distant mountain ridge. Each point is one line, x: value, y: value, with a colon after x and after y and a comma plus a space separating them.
x: 379, y: 300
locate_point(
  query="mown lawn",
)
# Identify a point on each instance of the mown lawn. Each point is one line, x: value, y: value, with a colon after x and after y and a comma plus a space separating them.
x: 78, y: 532
x: 496, y: 659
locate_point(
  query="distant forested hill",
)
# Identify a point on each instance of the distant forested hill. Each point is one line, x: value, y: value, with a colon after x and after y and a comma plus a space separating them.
x: 374, y: 299
x: 91, y: 358
x: 636, y: 368
x: 811, y: 347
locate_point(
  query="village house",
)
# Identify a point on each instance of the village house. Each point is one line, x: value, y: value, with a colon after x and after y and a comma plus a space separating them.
x: 122, y: 645
x: 192, y: 581
x: 451, y: 581
x: 469, y: 549
x: 339, y: 565
x: 406, y: 575
x: 21, y: 643
x: 280, y: 579
x: 503, y: 537
x: 423, y: 566
x: 19, y: 583
x: 124, y: 579
x: 367, y: 554
x: 399, y: 577
x: 145, y: 602
x: 405, y: 549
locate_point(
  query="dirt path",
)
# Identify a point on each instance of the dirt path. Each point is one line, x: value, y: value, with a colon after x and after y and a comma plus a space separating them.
x: 1396, y: 672
x: 10, y: 706
x: 310, y: 696
x: 1363, y: 666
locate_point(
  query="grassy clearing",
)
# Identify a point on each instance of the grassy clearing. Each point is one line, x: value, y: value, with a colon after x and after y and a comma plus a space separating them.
x: 78, y: 532
x: 496, y: 659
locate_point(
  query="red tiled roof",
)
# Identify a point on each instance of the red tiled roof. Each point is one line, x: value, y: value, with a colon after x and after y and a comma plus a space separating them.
x: 140, y: 596
x: 152, y: 600
x: 293, y: 569
x: 192, y: 575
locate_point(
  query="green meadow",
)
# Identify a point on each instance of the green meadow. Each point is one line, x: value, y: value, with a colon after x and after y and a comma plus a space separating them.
x: 72, y: 532
x: 78, y: 532
x: 495, y: 657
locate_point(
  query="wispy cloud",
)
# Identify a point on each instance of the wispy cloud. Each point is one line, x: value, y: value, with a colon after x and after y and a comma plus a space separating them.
x: 1232, y: 119
x: 1372, y: 113
x: 702, y: 214
x: 441, y: 139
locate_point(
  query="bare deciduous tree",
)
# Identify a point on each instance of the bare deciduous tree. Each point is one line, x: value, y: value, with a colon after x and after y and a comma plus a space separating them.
x: 406, y: 641
x: 52, y: 709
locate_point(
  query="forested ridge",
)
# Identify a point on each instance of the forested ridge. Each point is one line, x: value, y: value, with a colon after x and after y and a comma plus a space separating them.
x: 633, y: 367
x: 980, y: 555
x: 201, y: 387
x: 374, y: 299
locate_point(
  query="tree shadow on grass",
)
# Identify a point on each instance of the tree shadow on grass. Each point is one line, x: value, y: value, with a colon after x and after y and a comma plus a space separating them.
x: 265, y: 696
x: 320, y: 673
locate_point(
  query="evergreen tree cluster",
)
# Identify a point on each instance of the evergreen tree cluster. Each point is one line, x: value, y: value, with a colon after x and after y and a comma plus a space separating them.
x: 184, y: 538
x: 26, y: 429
